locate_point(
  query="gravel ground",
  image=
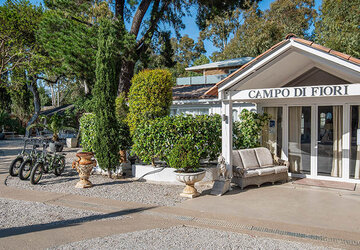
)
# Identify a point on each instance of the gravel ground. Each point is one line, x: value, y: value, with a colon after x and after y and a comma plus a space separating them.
x: 104, y: 187
x: 185, y: 237
x: 16, y: 213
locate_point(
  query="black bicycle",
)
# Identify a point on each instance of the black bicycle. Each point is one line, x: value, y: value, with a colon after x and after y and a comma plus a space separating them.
x: 45, y: 163
x: 30, y: 159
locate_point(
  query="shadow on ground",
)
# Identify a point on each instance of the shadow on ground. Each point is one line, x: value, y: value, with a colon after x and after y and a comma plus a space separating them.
x: 66, y: 223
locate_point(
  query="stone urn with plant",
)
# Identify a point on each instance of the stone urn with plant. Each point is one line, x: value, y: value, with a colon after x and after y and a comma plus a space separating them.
x: 184, y: 156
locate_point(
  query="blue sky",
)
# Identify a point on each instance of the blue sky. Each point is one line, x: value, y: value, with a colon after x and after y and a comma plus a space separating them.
x: 191, y: 28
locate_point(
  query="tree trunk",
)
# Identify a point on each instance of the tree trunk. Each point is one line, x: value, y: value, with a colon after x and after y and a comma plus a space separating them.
x: 126, y: 73
x: 34, y: 90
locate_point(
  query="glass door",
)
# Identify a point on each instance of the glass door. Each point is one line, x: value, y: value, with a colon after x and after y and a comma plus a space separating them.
x: 299, y: 139
x: 330, y: 131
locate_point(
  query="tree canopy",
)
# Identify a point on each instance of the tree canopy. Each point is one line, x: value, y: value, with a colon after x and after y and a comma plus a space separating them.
x: 337, y: 26
x: 262, y: 29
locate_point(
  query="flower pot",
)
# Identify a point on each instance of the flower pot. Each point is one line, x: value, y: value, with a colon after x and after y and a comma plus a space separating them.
x: 84, y: 165
x: 190, y: 179
x: 56, y: 146
x: 71, y: 142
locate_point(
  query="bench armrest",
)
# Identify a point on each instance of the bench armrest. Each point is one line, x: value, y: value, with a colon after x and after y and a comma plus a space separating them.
x: 281, y: 162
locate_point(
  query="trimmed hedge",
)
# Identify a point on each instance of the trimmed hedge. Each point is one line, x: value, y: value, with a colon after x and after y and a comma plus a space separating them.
x: 88, y: 132
x: 150, y: 97
x: 156, y: 138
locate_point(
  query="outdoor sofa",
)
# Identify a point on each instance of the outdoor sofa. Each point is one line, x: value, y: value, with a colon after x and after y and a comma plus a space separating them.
x: 256, y: 166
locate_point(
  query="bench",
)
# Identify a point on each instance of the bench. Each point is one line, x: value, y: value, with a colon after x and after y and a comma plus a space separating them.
x: 256, y: 166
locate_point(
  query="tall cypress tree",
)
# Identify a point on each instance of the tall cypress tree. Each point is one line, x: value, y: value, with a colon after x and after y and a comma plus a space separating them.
x: 105, y: 91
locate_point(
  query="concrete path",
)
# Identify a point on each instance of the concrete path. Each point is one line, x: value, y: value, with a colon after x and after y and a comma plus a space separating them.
x: 304, y: 214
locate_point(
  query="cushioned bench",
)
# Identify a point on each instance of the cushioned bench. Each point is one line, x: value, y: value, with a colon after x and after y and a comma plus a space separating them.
x: 256, y: 166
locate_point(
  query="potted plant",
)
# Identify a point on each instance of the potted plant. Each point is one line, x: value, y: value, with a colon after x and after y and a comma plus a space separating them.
x: 55, y: 124
x: 184, y: 157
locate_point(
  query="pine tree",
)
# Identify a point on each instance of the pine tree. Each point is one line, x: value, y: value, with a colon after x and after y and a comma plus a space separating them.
x: 105, y: 91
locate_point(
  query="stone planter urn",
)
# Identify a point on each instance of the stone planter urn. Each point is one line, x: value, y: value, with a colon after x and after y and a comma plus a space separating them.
x: 84, y: 165
x: 190, y: 179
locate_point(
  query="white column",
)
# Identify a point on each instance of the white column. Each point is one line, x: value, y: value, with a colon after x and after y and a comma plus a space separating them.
x: 285, y: 133
x: 226, y: 117
x: 346, y: 142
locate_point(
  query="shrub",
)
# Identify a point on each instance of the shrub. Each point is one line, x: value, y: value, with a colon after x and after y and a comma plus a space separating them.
x: 156, y: 139
x: 184, y: 155
x: 121, y: 110
x: 247, y: 131
x: 106, y: 137
x: 150, y: 97
x: 87, y: 132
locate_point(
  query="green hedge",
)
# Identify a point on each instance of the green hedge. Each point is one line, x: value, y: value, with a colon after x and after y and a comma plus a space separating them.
x: 88, y: 132
x: 156, y: 138
x: 150, y: 96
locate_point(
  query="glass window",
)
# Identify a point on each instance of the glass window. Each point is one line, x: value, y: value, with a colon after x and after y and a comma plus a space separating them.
x: 330, y: 132
x: 193, y: 111
x: 299, y: 139
x: 355, y: 142
x: 272, y: 135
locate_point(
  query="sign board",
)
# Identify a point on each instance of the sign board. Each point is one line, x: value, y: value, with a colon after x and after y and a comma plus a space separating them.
x: 297, y: 92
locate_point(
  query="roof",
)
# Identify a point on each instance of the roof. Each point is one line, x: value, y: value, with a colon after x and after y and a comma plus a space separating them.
x: 57, y: 110
x: 222, y: 64
x: 188, y: 92
x: 213, y: 91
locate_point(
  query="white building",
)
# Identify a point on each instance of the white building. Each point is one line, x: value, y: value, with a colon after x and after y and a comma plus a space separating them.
x: 188, y: 94
x: 313, y: 96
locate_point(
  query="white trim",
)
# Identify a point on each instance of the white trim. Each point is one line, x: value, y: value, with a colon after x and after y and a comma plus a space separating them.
x: 326, y: 55
x: 346, y: 139
x: 324, y: 178
x: 283, y: 48
x: 255, y: 67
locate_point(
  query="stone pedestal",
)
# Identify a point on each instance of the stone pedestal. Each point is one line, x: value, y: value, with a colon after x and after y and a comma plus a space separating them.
x: 220, y: 187
x: 190, y: 179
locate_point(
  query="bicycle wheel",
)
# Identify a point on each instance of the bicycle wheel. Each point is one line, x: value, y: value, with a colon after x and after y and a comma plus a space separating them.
x: 25, y: 169
x: 15, y: 165
x: 60, y: 168
x: 36, y: 173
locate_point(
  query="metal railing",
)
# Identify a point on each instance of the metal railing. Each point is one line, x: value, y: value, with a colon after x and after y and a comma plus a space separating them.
x: 193, y: 80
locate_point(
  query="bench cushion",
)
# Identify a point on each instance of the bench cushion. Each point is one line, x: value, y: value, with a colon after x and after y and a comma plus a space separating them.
x: 264, y: 157
x: 237, y: 162
x: 250, y: 173
x: 249, y: 159
x: 265, y: 171
x: 280, y: 169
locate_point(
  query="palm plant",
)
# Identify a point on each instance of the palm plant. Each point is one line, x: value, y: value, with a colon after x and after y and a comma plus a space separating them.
x: 55, y: 124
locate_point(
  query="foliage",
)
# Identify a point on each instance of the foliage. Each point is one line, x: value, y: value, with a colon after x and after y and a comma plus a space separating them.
x: 18, y: 21
x: 247, y: 131
x: 69, y: 41
x: 121, y: 111
x: 55, y: 123
x: 45, y: 99
x: 150, y: 97
x: 337, y: 26
x: 87, y: 132
x: 219, y: 28
x: 261, y: 30
x: 156, y: 138
x: 9, y: 124
x: 184, y: 155
x: 106, y: 136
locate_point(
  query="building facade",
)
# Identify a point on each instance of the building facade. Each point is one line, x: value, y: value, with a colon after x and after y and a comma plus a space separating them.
x: 313, y: 96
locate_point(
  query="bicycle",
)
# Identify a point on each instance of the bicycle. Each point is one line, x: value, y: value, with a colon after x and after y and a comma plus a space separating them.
x: 16, y: 163
x: 46, y: 163
x: 29, y: 160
